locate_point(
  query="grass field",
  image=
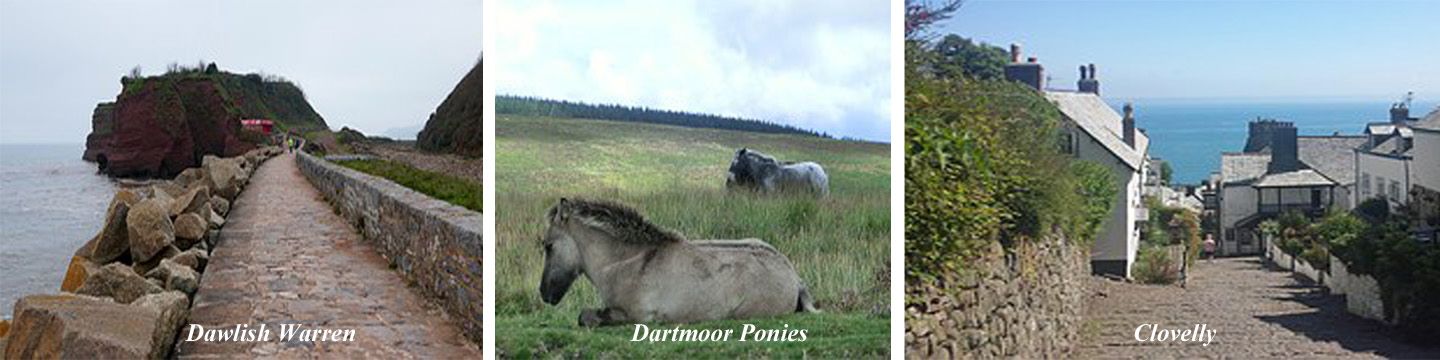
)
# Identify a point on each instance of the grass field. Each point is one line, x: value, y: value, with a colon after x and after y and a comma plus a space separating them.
x: 675, y: 176
x: 466, y: 193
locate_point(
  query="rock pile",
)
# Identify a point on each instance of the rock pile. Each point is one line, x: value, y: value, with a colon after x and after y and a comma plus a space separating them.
x: 127, y: 291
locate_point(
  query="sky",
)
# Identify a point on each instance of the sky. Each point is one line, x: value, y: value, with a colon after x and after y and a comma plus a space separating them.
x: 1230, y: 50
x: 369, y: 64
x: 820, y: 65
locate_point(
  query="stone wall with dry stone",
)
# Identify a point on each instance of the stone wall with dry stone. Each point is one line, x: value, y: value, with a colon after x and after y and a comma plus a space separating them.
x: 434, y: 244
x: 1024, y: 302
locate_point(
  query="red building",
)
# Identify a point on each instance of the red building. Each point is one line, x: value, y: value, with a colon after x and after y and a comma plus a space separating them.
x: 258, y: 125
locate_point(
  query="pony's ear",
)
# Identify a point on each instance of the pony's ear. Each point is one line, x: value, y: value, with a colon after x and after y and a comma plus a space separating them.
x: 741, y: 151
x: 557, y: 212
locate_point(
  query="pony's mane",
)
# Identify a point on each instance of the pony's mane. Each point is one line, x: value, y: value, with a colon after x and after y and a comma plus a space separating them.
x: 629, y: 226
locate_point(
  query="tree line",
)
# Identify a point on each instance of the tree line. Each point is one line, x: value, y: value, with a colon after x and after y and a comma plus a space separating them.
x: 534, y: 106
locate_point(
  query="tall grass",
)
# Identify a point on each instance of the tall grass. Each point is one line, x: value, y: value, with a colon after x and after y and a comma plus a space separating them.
x: 465, y: 193
x: 675, y: 177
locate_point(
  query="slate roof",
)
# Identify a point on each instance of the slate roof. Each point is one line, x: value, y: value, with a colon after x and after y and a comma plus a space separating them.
x: 1102, y: 123
x: 1380, y: 128
x: 1332, y: 156
x: 1389, y: 146
x: 1430, y: 122
x: 1242, y: 167
x: 1298, y: 178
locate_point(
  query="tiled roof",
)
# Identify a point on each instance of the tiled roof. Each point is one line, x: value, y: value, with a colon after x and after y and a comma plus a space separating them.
x: 1332, y: 156
x: 1306, y: 177
x: 1242, y: 167
x: 1102, y: 123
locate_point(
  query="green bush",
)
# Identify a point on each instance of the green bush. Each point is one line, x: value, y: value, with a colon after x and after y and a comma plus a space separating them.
x: 1154, y: 266
x: 980, y: 169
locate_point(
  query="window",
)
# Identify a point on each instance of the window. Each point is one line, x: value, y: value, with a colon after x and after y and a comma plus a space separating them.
x: 1395, y: 190
x: 1380, y: 186
x: 1067, y: 142
x: 1365, y: 186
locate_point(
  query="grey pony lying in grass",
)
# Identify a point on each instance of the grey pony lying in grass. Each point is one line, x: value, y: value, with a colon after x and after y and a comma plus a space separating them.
x: 754, y: 170
x: 644, y: 273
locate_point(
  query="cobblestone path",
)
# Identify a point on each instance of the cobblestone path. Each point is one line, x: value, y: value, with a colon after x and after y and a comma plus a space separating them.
x: 285, y: 258
x: 1257, y: 312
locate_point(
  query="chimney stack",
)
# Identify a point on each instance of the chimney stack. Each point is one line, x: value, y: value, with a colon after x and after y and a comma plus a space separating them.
x: 1284, y: 149
x: 1029, y: 73
x: 1399, y: 113
x: 1128, y: 123
x: 1088, y: 83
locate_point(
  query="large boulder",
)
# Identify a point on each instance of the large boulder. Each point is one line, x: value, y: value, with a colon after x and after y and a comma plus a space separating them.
x: 145, y: 266
x: 190, y: 177
x: 224, y: 176
x: 150, y: 229
x: 176, y: 276
x: 67, y: 326
x: 190, y: 228
x: 113, y: 240
x: 117, y: 281
x: 80, y: 269
x: 192, y: 201
x: 171, y: 308
x: 196, y: 258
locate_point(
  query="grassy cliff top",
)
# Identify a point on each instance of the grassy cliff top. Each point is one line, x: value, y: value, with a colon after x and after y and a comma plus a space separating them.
x: 253, y: 96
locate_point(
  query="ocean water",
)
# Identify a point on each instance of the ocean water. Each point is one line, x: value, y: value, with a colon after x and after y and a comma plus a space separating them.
x: 1191, y: 134
x: 51, y: 203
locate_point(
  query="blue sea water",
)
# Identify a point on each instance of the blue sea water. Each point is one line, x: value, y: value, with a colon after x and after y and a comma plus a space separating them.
x: 51, y: 203
x: 1191, y: 134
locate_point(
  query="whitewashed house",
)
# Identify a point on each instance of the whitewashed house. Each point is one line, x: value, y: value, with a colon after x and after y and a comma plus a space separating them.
x: 1384, y: 164
x: 1093, y: 131
x: 1280, y: 171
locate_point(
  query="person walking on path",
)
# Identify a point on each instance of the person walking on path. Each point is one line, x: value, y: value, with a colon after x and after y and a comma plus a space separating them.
x: 1209, y: 247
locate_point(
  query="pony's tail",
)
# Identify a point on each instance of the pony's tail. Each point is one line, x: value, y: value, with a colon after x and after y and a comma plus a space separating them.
x: 804, y: 303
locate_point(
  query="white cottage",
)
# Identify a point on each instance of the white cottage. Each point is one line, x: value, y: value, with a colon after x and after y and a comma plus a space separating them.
x: 1093, y: 131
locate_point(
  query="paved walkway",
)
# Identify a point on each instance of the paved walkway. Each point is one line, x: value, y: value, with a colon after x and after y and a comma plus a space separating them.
x: 285, y: 258
x: 1257, y: 313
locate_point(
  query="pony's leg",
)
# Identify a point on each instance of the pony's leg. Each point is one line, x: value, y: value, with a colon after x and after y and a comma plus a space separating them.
x: 602, y: 317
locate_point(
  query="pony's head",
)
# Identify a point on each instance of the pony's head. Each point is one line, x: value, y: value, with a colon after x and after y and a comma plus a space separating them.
x: 577, y: 222
x: 562, y: 255
x: 747, y: 168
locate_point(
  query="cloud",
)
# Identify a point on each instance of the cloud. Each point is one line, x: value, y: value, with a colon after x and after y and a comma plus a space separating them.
x: 369, y: 64
x: 822, y: 65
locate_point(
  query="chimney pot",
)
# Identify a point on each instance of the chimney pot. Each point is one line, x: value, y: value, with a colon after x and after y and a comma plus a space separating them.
x: 1033, y: 60
x: 1014, y: 52
x: 1128, y: 125
x: 1092, y: 70
x: 1083, y: 72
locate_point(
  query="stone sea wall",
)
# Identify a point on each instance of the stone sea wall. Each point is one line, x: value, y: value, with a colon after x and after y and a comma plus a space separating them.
x: 1026, y: 304
x: 128, y: 290
x: 434, y: 244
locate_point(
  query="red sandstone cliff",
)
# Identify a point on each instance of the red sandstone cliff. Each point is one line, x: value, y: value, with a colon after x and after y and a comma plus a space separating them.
x: 161, y: 125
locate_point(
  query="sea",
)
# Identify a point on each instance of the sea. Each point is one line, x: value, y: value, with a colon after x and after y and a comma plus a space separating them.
x: 1191, y: 134
x: 51, y: 203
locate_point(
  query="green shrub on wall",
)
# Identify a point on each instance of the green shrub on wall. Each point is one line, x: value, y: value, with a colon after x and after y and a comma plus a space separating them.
x: 982, y: 165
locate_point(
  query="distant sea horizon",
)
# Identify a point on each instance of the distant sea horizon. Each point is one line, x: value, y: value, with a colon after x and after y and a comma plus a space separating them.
x: 1191, y: 133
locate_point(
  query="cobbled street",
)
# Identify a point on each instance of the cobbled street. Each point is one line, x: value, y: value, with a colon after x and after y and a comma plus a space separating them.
x: 1256, y: 311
